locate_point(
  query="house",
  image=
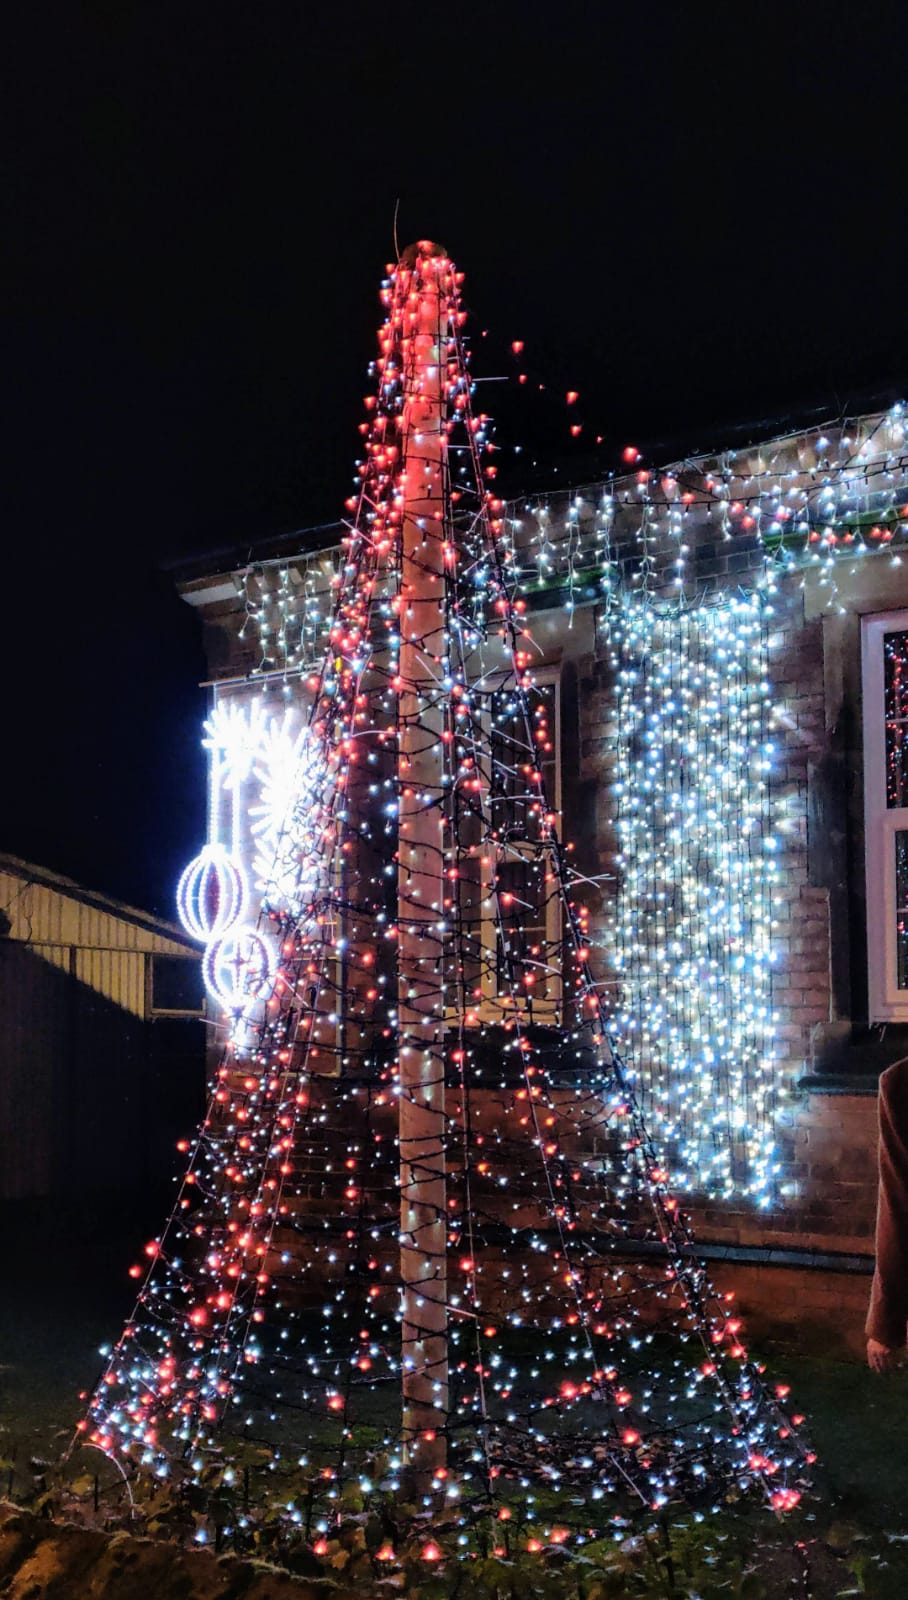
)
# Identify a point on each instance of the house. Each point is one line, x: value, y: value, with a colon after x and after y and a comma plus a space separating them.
x: 722, y: 644
x: 102, y: 1050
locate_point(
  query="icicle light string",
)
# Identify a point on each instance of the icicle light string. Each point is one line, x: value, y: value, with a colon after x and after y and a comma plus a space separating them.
x: 266, y: 1311
x: 770, y: 521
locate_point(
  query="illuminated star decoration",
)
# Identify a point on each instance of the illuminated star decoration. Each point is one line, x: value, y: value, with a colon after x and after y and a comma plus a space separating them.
x: 283, y: 818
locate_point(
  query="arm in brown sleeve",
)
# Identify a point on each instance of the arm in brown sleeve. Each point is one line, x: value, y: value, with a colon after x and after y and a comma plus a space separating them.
x: 888, y: 1313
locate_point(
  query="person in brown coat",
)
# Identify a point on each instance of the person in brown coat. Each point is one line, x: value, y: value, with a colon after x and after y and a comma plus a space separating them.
x: 887, y: 1318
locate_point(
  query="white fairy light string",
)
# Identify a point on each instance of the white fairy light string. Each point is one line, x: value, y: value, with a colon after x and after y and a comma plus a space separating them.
x: 691, y: 930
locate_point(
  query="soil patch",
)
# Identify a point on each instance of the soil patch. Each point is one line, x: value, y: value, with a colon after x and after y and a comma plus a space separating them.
x: 43, y: 1560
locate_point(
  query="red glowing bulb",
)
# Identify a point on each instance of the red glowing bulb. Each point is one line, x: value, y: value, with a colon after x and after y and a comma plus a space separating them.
x: 785, y: 1499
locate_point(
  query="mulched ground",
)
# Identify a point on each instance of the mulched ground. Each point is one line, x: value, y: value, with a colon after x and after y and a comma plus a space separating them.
x: 43, y: 1560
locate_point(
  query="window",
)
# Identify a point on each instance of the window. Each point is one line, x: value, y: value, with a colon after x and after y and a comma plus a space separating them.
x: 518, y: 960
x: 177, y: 988
x: 885, y: 690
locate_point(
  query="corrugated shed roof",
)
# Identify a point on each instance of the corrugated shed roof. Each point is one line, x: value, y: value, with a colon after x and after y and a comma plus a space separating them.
x: 158, y: 928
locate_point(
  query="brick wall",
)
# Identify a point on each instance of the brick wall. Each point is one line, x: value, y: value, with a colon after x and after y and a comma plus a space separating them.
x: 806, y: 1310
x: 828, y: 1150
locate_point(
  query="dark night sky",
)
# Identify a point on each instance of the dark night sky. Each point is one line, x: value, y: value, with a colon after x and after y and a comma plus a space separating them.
x: 693, y: 215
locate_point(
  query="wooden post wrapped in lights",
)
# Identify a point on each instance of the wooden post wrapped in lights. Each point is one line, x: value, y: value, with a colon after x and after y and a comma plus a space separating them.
x: 423, y: 648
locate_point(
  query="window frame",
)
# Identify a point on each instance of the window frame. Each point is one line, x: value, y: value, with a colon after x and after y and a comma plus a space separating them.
x: 886, y: 1001
x: 154, y: 1011
x: 490, y: 1008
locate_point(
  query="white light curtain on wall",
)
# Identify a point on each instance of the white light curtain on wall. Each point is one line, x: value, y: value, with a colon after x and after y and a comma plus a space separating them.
x: 691, y: 930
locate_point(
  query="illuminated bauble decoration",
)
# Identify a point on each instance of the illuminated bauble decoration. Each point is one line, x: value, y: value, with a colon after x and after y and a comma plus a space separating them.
x: 211, y: 894
x: 238, y: 968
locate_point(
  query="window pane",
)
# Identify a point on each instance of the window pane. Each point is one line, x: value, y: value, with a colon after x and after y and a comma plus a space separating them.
x: 530, y: 915
x: 524, y: 953
x: 895, y: 670
x: 176, y: 984
x: 515, y: 798
x: 901, y: 909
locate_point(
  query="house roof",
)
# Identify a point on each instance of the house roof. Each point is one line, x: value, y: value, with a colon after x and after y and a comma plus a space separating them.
x: 192, y: 572
x: 186, y: 570
x: 14, y: 867
x: 699, y: 524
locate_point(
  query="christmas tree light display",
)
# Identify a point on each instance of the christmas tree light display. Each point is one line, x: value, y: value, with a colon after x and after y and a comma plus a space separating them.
x: 425, y: 1244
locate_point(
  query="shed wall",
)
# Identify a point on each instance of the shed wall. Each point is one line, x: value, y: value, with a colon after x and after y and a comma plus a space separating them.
x: 94, y: 1092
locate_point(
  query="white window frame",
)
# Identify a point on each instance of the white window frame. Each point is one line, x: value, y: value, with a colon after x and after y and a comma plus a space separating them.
x: 886, y: 1001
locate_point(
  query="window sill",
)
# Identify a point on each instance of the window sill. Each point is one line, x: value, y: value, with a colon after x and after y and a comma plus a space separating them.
x: 861, y: 1083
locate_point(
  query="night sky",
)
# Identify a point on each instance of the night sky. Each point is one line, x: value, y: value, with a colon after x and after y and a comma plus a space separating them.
x: 692, y: 215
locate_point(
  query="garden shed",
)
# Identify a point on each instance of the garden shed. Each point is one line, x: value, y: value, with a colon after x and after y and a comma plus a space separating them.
x: 101, y: 1038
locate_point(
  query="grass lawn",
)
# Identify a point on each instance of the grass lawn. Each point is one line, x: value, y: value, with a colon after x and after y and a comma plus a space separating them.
x: 66, y: 1291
